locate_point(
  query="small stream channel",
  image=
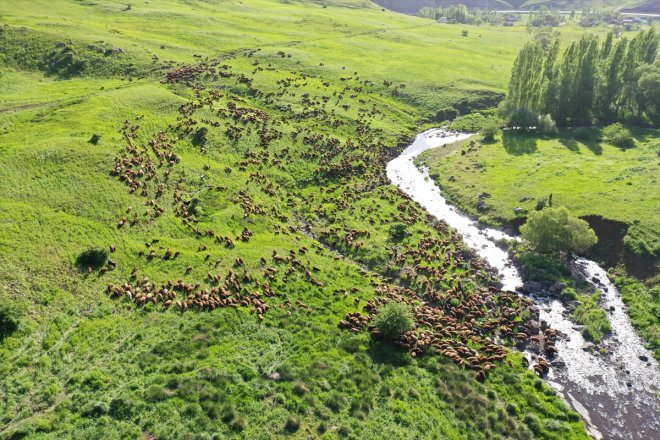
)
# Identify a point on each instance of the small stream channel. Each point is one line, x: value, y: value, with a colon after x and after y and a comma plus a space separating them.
x: 616, y: 392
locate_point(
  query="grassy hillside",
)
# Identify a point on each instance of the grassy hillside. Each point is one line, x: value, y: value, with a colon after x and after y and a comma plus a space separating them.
x: 193, y: 199
x: 590, y: 177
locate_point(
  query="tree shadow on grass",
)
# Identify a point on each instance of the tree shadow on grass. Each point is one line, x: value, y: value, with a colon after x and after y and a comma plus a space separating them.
x: 91, y: 258
x: 642, y: 134
x: 384, y: 352
x: 594, y: 146
x: 588, y: 138
x: 489, y: 141
x: 517, y: 143
x: 570, y: 144
x: 9, y: 320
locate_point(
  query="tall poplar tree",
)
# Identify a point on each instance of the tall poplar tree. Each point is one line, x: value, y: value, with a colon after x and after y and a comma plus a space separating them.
x: 612, y: 81
x: 566, y: 87
x: 550, y: 80
x: 590, y: 82
x: 583, y: 99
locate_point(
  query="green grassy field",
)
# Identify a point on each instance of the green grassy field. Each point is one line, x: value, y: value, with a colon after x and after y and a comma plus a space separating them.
x: 643, y: 306
x: 280, y: 203
x: 590, y: 177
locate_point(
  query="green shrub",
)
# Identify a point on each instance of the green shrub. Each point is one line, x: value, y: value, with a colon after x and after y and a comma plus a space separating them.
x: 546, y: 125
x: 335, y: 401
x: 582, y: 134
x: 474, y: 122
x: 532, y: 421
x: 94, y: 140
x: 554, y: 425
x: 286, y: 372
x: 212, y: 409
x: 345, y: 431
x: 398, y: 231
x: 122, y: 408
x: 393, y: 319
x: 594, y: 319
x: 360, y: 415
x: 541, y: 203
x: 446, y: 114
x: 96, y: 409
x: 619, y: 136
x: 228, y: 413
x: 238, y: 424
x: 155, y: 393
x: 543, y: 267
x: 292, y: 424
x: 523, y: 118
x: 199, y: 139
x: 300, y: 388
x: 489, y: 131
x: 94, y: 380
x: 554, y: 229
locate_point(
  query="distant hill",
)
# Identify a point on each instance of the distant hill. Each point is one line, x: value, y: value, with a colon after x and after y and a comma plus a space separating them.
x: 413, y: 6
x: 643, y: 7
x: 580, y: 4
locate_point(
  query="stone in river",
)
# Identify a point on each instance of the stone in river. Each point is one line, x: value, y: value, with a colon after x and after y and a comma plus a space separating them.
x: 532, y: 287
x: 558, y: 363
x: 559, y: 286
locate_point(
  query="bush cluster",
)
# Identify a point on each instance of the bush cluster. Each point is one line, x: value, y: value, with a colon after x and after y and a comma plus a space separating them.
x: 394, y: 319
x: 619, y: 136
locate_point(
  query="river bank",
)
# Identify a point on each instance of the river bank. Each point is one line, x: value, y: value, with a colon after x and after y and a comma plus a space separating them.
x: 615, y: 393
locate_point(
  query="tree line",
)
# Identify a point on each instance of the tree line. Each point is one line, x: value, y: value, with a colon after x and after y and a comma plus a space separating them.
x: 592, y: 82
x: 544, y: 17
x: 460, y: 14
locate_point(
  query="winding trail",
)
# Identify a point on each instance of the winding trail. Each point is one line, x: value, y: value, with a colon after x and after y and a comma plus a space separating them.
x: 618, y: 392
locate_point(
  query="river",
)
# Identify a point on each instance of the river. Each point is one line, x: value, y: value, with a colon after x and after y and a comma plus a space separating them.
x: 616, y: 391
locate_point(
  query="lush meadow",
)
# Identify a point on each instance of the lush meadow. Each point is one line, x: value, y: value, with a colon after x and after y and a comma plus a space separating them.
x: 581, y: 170
x: 187, y: 151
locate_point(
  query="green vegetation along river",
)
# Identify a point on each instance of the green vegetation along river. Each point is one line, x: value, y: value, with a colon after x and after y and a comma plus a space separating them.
x: 603, y: 388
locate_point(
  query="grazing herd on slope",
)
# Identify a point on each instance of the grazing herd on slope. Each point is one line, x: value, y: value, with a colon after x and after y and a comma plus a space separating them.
x: 459, y: 311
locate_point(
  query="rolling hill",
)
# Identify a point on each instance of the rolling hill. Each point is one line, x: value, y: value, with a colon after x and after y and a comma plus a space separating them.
x: 413, y: 6
x: 197, y: 227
